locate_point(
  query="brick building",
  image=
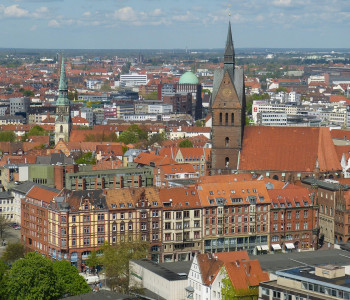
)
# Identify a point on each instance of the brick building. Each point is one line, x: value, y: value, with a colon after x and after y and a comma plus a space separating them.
x: 293, y: 219
x: 35, y: 218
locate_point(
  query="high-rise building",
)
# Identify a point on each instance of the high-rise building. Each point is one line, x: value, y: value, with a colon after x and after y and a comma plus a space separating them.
x: 228, y: 112
x: 63, y: 120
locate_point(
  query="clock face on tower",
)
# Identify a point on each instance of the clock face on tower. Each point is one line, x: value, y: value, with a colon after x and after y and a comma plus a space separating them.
x: 226, y: 93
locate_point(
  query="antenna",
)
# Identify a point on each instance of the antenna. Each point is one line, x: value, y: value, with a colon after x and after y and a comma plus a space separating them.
x: 228, y: 9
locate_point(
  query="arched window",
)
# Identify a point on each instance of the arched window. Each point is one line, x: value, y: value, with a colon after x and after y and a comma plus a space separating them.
x: 227, y: 162
x: 220, y: 118
x: 226, y: 119
x: 61, y: 128
x: 232, y: 118
x: 227, y: 141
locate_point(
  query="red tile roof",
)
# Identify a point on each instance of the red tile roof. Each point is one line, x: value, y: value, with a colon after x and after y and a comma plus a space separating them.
x: 42, y: 194
x: 288, y: 148
x: 145, y: 158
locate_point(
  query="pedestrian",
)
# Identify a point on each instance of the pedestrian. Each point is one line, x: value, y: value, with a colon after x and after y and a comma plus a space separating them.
x: 100, y: 284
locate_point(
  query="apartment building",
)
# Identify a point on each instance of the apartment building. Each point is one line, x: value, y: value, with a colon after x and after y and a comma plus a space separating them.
x: 293, y: 219
x: 182, y: 223
x: 235, y: 216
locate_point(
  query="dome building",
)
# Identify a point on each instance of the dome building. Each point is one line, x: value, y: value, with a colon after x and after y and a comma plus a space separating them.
x: 189, y: 84
x: 188, y: 78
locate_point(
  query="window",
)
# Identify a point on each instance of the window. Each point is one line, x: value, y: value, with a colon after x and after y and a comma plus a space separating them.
x: 73, y: 219
x: 100, y: 228
x: 305, y: 214
x: 220, y: 118
x: 86, y: 241
x: 87, y: 218
x: 74, y: 230
x: 227, y: 141
x: 114, y: 227
x: 122, y: 227
x: 114, y: 216
x: 86, y: 229
x: 167, y: 215
x: 232, y: 118
x: 226, y: 119
x: 297, y: 214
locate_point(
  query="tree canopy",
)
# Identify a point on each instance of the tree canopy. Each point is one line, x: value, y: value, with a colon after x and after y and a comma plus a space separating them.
x: 7, y: 136
x: 133, y: 134
x: 32, y: 278
x: 86, y: 159
x: 69, y: 279
x: 13, y: 252
x: 37, y: 277
x: 4, y: 224
x: 115, y: 261
x: 185, y: 144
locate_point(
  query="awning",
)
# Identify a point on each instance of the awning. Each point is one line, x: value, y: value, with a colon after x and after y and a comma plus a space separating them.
x: 276, y: 247
x: 265, y: 248
x: 258, y: 248
x: 189, y: 289
x: 289, y: 245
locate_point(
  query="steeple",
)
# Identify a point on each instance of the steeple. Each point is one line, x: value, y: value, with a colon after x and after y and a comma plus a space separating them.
x: 63, y: 87
x: 229, y: 56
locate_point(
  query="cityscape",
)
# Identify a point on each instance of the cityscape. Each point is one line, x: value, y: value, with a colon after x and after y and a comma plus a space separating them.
x: 194, y: 169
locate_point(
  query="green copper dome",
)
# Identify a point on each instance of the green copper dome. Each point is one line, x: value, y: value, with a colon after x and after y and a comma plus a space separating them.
x: 188, y: 78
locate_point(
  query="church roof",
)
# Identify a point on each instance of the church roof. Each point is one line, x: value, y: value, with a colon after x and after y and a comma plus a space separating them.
x: 288, y: 148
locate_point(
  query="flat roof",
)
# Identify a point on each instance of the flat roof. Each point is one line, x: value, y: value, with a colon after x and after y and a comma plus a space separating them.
x: 281, y: 261
x: 309, y: 273
x: 169, y: 271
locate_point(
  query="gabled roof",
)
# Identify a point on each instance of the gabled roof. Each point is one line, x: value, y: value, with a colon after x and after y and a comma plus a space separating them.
x: 288, y: 148
x: 177, y: 168
x: 290, y: 198
x: 42, y: 193
x: 145, y: 158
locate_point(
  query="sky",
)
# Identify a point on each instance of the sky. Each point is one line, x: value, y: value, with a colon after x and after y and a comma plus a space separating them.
x: 169, y: 24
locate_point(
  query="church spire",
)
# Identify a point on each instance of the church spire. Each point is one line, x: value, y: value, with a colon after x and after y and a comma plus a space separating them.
x: 63, y: 87
x: 229, y: 56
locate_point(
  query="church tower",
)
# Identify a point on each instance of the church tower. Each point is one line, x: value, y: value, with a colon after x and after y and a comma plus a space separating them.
x: 63, y: 119
x: 228, y: 113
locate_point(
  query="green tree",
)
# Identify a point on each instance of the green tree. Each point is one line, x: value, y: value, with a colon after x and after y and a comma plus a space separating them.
x: 4, y: 225
x: 73, y: 95
x: 86, y: 159
x: 93, y: 260
x: 37, y: 131
x: 7, y: 136
x: 3, y: 272
x: 185, y: 144
x: 69, y: 279
x: 133, y: 135
x: 27, y: 93
x: 115, y: 261
x: 13, y: 252
x: 33, y: 277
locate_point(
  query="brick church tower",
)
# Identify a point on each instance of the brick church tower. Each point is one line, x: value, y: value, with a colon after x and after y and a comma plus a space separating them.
x: 228, y: 113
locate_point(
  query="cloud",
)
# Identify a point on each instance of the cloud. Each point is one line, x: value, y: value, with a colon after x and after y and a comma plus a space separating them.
x: 33, y: 28
x: 138, y: 18
x: 87, y: 14
x: 282, y: 2
x: 53, y: 23
x: 41, y: 12
x: 13, y: 11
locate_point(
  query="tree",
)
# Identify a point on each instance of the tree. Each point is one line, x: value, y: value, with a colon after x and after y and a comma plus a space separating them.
x: 93, y: 260
x: 199, y: 123
x: 151, y: 96
x: 3, y: 272
x: 185, y: 144
x: 4, y: 224
x: 133, y: 135
x: 7, y: 136
x: 156, y: 138
x: 115, y: 261
x: 13, y: 252
x: 86, y: 159
x: 37, y: 131
x: 69, y: 279
x: 33, y: 277
x: 126, y: 68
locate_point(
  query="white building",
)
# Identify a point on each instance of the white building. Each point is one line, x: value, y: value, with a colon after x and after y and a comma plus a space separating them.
x: 133, y: 79
x: 162, y: 279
